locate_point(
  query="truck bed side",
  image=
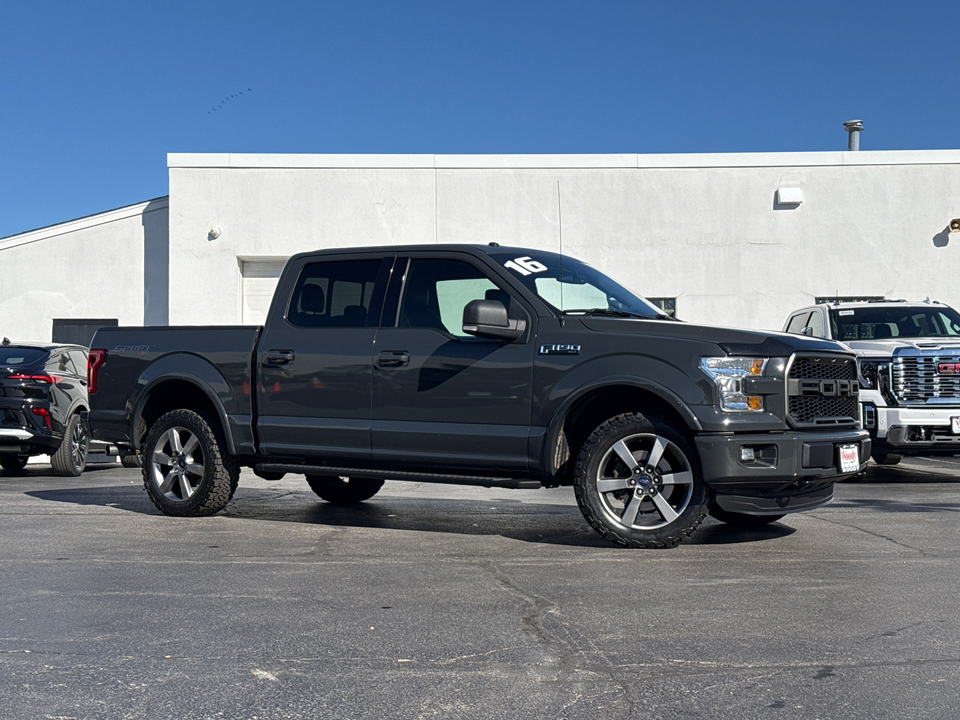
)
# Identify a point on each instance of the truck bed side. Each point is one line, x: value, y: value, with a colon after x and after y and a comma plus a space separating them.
x: 148, y: 370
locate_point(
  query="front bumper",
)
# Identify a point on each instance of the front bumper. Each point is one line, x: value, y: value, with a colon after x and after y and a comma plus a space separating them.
x: 914, y: 429
x: 790, y: 471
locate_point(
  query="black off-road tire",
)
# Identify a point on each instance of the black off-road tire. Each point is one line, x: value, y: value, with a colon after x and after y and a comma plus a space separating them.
x: 131, y: 461
x: 187, y: 470
x: 887, y: 458
x: 343, y: 490
x: 12, y: 462
x: 742, y: 520
x: 638, y: 483
x: 70, y: 459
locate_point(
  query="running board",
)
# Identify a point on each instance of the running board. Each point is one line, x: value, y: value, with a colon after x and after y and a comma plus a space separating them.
x: 511, y: 483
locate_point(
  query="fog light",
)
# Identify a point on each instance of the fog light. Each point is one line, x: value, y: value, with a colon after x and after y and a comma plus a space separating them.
x: 747, y: 455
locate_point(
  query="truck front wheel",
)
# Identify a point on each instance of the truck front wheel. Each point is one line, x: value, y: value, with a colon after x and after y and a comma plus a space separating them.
x: 638, y: 482
x: 187, y: 470
x: 342, y: 490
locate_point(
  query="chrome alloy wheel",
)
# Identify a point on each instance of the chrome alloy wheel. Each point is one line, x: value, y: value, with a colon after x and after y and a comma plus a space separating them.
x: 644, y: 482
x: 177, y: 464
x: 79, y: 444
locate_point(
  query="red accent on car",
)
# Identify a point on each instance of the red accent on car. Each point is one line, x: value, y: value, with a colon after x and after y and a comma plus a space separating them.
x: 95, y: 359
x: 41, y: 378
x: 45, y: 414
x: 949, y: 368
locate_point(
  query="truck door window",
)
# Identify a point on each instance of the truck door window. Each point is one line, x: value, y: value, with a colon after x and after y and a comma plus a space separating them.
x: 798, y: 323
x: 437, y: 290
x: 815, y: 323
x: 334, y: 294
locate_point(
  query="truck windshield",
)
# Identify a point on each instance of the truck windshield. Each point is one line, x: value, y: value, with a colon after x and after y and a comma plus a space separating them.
x: 909, y: 321
x: 573, y: 287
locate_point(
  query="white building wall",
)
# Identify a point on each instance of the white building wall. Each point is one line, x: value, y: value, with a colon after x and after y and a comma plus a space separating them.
x: 88, y: 268
x: 703, y: 228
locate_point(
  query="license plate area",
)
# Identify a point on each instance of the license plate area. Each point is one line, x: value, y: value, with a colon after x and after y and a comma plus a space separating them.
x: 849, y: 458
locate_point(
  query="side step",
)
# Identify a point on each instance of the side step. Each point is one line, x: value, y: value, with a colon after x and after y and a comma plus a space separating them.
x: 512, y: 483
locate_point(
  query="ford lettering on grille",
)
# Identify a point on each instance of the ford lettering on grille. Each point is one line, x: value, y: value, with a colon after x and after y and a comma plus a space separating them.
x: 823, y: 390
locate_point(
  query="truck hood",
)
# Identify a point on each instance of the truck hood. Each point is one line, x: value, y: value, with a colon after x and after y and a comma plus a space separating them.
x: 733, y: 341
x: 901, y: 346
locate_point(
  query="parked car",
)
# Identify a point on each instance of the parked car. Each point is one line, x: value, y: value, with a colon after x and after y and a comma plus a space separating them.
x: 483, y: 365
x: 909, y: 355
x: 43, y: 399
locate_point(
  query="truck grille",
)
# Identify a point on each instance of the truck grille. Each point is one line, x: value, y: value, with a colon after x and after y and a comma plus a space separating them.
x: 823, y: 390
x: 919, y: 380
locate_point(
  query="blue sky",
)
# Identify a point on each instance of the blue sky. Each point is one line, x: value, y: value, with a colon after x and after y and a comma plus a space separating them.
x: 94, y: 94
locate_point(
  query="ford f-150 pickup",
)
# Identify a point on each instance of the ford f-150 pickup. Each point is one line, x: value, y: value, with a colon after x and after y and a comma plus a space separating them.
x: 489, y: 366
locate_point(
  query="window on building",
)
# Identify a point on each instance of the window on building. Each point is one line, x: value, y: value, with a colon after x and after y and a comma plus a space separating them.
x: 667, y: 304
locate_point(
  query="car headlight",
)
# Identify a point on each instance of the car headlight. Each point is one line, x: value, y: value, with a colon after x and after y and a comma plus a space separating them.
x: 728, y: 374
x: 870, y: 371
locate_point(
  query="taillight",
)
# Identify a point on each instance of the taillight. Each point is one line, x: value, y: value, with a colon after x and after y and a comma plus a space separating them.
x: 40, y: 378
x: 45, y: 414
x: 95, y: 359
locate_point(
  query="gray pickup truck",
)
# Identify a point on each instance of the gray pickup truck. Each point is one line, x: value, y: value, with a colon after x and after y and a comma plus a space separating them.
x: 489, y: 366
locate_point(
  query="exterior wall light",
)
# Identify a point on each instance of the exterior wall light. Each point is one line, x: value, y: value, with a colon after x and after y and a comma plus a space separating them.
x: 213, y: 233
x: 955, y: 225
x: 789, y: 196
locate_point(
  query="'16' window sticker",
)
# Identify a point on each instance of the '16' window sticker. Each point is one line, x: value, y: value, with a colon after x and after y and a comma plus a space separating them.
x: 525, y: 266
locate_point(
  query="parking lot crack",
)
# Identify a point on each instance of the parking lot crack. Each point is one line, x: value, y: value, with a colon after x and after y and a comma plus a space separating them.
x: 880, y: 536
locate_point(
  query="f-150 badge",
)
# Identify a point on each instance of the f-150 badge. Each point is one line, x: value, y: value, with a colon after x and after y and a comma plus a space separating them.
x: 559, y: 349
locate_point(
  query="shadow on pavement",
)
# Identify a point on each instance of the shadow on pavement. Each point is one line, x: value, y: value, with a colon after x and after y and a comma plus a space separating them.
x: 514, y: 519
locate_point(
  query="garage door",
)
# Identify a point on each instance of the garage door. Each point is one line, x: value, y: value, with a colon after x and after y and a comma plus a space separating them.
x: 259, y: 280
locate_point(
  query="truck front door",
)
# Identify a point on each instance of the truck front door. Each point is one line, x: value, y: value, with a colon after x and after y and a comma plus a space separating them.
x: 441, y: 397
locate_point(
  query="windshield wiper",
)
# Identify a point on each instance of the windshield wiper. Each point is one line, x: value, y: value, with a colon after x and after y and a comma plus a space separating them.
x: 612, y: 312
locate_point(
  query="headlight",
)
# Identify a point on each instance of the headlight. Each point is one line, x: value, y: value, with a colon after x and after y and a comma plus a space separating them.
x: 869, y: 370
x: 728, y: 374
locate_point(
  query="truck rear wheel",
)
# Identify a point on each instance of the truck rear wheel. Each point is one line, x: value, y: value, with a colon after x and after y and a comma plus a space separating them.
x: 887, y: 458
x: 186, y: 468
x: 343, y: 490
x: 638, y: 482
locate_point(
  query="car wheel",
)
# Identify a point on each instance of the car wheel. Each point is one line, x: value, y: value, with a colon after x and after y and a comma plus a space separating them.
x: 638, y: 482
x: 13, y: 463
x: 71, y: 457
x: 343, y: 490
x: 187, y: 470
x: 742, y: 520
x: 887, y: 458
x: 130, y: 461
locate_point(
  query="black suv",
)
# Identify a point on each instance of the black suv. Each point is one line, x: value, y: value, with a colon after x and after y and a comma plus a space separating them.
x: 43, y: 395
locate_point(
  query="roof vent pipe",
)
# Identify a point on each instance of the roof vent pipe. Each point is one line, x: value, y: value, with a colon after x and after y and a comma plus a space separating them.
x: 853, y: 127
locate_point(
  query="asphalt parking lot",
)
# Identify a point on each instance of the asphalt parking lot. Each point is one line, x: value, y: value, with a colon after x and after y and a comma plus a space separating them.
x: 449, y: 602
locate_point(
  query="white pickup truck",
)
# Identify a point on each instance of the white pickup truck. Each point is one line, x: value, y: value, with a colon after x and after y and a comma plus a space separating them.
x: 909, y: 356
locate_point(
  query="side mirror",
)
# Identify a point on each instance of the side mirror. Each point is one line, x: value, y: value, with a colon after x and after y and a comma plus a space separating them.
x: 489, y: 319
x: 808, y: 331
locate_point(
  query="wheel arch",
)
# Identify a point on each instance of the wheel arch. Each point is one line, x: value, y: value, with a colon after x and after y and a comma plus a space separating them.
x: 590, y: 407
x: 199, y: 387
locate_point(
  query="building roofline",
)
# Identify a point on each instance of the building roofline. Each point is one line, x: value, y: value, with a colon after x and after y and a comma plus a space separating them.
x: 84, y: 222
x: 613, y: 161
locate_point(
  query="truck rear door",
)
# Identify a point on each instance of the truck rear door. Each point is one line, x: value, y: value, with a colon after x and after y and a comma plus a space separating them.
x: 314, y: 357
